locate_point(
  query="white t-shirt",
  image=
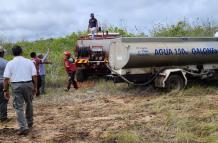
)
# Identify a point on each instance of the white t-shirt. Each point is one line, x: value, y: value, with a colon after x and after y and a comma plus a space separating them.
x: 20, y: 69
x: 216, y: 35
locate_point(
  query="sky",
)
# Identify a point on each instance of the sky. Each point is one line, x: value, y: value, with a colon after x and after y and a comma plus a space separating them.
x: 35, y: 19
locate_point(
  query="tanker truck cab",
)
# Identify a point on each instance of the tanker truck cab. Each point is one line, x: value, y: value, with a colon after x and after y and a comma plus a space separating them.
x: 165, y: 62
x: 92, y: 54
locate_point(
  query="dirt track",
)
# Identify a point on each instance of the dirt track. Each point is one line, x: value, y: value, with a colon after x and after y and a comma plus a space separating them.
x: 79, y: 116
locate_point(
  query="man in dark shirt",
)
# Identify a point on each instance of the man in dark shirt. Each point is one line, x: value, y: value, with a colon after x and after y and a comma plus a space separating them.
x: 93, y: 25
x: 37, y: 61
x: 3, y: 100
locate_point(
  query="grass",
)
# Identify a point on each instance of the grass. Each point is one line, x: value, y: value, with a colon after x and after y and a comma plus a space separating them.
x: 185, y: 137
x: 188, y: 116
x: 123, y: 137
x: 196, y: 119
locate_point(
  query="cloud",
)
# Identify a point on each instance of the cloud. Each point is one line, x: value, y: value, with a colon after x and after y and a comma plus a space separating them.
x: 34, y: 19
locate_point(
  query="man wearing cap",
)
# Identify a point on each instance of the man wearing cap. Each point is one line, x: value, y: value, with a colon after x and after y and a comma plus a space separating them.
x: 3, y: 100
x: 21, y: 72
x: 93, y: 25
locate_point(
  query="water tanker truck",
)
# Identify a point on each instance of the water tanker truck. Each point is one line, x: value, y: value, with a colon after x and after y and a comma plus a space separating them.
x: 167, y: 62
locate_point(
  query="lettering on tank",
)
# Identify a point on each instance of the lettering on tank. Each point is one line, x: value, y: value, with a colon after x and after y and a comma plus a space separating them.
x: 183, y: 51
x: 165, y: 52
x: 204, y: 51
x: 142, y: 51
x: 161, y: 52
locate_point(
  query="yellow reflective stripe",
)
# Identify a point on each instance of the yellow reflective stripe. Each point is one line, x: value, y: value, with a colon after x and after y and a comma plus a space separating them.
x: 82, y: 61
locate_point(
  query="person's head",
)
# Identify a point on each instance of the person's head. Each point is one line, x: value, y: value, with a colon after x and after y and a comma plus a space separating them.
x: 33, y: 54
x: 40, y: 55
x: 17, y: 50
x: 2, y: 51
x: 92, y: 15
x: 67, y: 54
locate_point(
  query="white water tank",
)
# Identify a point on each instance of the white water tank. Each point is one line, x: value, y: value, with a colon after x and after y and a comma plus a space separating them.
x: 155, y: 52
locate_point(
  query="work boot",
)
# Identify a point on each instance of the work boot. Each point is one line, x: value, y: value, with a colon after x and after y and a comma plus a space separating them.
x: 5, y: 120
x: 66, y: 89
x: 30, y: 125
x: 23, y: 132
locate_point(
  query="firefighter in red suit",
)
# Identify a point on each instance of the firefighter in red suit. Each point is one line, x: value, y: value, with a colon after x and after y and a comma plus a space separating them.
x: 70, y: 68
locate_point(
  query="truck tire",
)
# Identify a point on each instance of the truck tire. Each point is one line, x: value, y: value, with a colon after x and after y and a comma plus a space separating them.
x: 81, y: 75
x: 175, y: 82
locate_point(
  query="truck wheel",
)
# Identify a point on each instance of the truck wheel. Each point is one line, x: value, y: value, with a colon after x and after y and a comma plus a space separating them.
x: 175, y: 82
x: 81, y: 75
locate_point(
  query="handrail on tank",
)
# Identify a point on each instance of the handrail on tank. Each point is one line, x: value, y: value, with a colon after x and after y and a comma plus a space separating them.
x: 100, y: 36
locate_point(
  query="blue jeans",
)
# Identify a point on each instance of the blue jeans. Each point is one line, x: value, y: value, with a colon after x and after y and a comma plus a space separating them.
x: 42, y: 88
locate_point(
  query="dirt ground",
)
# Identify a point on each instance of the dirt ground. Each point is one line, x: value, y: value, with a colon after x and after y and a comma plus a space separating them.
x: 92, y: 113
x: 85, y: 115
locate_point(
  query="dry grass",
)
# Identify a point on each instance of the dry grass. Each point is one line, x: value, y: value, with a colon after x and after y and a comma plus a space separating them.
x: 123, y: 137
x: 103, y: 112
x: 182, y: 117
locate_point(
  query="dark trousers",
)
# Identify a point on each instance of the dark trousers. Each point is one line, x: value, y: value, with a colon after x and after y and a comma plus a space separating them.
x: 38, y: 85
x: 71, y: 80
x: 3, y: 104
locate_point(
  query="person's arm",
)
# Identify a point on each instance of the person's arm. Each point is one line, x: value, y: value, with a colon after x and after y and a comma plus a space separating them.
x: 34, y: 77
x: 67, y: 65
x: 96, y: 24
x: 45, y: 56
x: 35, y: 82
x: 46, y: 62
x: 6, y: 88
x: 7, y: 75
x: 89, y: 26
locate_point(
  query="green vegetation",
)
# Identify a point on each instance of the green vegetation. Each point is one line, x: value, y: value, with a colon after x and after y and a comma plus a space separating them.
x: 185, y: 29
x: 122, y: 32
x: 56, y: 74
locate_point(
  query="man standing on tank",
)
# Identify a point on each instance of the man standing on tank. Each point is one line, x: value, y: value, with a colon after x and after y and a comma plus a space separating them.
x: 93, y: 25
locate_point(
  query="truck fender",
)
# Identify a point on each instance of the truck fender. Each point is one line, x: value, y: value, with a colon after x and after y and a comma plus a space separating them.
x: 160, y: 81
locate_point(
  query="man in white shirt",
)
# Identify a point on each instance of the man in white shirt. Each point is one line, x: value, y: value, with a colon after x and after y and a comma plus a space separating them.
x: 216, y: 34
x: 21, y: 72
